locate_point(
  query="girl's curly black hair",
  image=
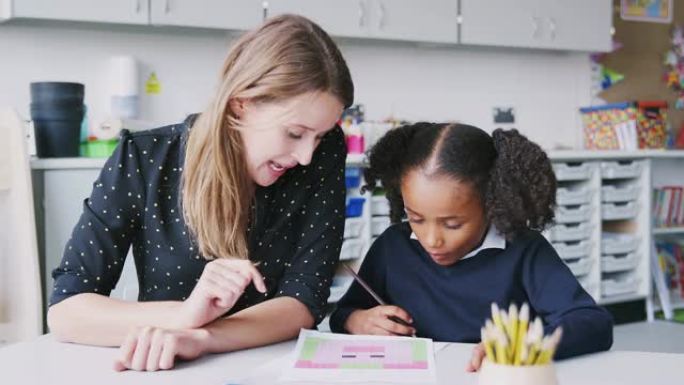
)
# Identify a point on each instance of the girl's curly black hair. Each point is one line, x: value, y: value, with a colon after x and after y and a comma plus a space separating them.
x: 513, y: 175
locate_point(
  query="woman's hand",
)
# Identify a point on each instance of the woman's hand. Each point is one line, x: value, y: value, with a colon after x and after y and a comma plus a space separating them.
x: 151, y: 349
x: 377, y: 321
x: 222, y: 283
x: 476, y: 359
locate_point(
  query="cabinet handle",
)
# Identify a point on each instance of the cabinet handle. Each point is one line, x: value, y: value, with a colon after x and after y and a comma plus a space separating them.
x: 264, y: 10
x: 535, y: 27
x: 167, y: 6
x: 381, y: 22
x: 138, y: 6
x: 552, y: 28
x: 362, y: 14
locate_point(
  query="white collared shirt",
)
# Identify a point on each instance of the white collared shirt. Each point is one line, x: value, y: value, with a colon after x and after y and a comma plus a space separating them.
x: 493, y: 240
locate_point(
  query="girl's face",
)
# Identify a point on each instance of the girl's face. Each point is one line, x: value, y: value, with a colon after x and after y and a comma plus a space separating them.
x: 446, y: 215
x: 279, y: 136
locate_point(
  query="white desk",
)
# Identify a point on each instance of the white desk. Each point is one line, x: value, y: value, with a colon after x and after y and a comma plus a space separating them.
x: 45, y: 361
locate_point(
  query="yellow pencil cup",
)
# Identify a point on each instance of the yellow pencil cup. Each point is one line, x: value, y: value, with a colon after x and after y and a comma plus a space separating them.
x: 497, y: 374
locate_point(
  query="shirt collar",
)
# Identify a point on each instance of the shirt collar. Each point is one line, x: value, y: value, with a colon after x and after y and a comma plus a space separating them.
x: 493, y: 240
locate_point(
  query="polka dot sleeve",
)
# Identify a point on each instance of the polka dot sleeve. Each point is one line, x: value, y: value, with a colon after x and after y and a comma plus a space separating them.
x: 94, y: 255
x: 309, y: 275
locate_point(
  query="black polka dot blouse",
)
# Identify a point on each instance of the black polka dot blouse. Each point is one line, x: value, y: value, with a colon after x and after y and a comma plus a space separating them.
x: 295, y: 232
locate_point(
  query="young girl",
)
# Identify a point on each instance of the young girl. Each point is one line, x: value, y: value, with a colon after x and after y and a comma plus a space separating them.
x: 235, y: 217
x: 475, y: 204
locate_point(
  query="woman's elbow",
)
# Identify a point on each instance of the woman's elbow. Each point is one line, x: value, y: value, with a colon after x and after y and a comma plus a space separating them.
x: 59, y: 323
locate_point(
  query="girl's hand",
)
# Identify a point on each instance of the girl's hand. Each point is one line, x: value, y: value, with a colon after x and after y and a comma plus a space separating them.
x: 151, y: 349
x: 222, y: 283
x: 476, y: 359
x: 377, y: 321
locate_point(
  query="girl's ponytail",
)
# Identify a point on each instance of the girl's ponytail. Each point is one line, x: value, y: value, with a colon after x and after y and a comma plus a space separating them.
x: 521, y: 193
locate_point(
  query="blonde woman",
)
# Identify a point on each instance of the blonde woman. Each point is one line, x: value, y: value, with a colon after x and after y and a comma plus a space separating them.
x: 235, y: 218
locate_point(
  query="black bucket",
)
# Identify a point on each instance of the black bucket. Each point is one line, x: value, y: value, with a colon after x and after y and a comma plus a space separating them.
x: 57, y: 112
x: 57, y: 138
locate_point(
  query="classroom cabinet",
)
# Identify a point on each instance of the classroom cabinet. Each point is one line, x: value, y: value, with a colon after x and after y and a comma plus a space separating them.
x: 100, y: 11
x: 59, y: 189
x: 218, y: 14
x: 583, y: 25
x: 432, y: 21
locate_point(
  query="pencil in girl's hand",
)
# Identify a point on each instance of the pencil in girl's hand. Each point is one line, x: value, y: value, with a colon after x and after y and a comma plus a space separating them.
x: 375, y: 295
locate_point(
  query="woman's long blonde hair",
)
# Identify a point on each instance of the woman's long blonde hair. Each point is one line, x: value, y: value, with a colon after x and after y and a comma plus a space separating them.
x: 287, y: 56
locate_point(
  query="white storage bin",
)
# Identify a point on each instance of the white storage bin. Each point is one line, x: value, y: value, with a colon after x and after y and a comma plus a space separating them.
x: 619, y: 262
x: 619, y: 284
x: 351, y: 249
x: 616, y: 211
x: 618, y: 243
x: 572, y: 171
x: 579, y: 267
x: 573, y: 214
x: 340, y: 285
x: 574, y: 249
x: 569, y: 232
x: 573, y: 195
x: 614, y: 193
x: 379, y: 206
x: 379, y: 224
x: 353, y: 227
x: 620, y: 169
x: 586, y: 282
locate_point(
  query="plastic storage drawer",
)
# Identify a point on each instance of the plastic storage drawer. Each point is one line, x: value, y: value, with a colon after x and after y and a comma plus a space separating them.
x: 573, y: 214
x: 354, y: 207
x: 617, y: 211
x: 572, y: 171
x: 586, y: 282
x: 575, y: 195
x: 616, y: 243
x: 351, y: 249
x: 579, y: 267
x: 620, y: 169
x: 619, y: 262
x: 618, y: 285
x: 571, y: 250
x: 380, y: 205
x: 379, y: 225
x: 353, y: 227
x: 613, y: 193
x: 574, y: 232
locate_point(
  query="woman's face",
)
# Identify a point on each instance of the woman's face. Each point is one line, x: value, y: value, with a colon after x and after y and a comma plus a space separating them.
x: 279, y: 136
x: 445, y: 214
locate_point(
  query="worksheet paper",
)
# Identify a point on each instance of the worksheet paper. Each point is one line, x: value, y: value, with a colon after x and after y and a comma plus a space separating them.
x: 343, y: 358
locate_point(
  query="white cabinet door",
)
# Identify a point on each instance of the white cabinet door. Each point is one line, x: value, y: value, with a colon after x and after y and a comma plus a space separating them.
x: 344, y: 18
x: 505, y: 23
x: 427, y: 20
x: 583, y: 25
x: 434, y: 21
x: 103, y: 11
x: 220, y: 14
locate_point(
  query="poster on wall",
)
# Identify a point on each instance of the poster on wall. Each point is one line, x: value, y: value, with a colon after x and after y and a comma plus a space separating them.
x: 655, y: 11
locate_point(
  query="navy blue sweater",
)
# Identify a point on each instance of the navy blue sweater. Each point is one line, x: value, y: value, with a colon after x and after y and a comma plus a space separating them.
x: 452, y: 303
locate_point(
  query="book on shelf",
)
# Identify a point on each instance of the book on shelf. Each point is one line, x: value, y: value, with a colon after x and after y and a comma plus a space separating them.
x: 671, y: 264
x: 668, y: 206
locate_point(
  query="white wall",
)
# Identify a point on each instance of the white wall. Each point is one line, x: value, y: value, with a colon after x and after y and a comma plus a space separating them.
x: 404, y: 80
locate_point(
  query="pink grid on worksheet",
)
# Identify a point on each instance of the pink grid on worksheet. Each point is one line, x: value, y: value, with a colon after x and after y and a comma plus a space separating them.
x: 338, y: 354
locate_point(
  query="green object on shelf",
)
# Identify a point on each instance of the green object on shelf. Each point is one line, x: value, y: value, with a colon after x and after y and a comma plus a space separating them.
x: 99, y: 148
x: 678, y: 315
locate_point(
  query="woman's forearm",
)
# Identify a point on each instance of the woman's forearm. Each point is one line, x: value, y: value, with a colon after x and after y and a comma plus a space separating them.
x: 95, y: 319
x: 272, y: 321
